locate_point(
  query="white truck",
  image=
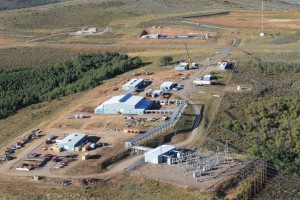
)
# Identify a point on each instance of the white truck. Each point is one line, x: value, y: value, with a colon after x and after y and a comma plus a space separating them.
x: 201, y: 82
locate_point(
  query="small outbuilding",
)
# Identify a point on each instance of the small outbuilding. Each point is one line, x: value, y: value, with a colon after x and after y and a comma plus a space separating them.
x: 207, y: 77
x: 133, y: 84
x: 87, y: 31
x: 166, y: 86
x: 73, y: 141
x: 182, y: 66
x: 226, y: 65
x: 159, y: 154
x: 157, y: 93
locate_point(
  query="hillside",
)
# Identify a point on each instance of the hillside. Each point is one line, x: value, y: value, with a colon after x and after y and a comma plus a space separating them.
x: 16, y: 4
x: 102, y: 13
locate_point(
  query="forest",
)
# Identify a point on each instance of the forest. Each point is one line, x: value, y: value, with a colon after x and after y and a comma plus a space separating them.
x: 26, y: 86
x: 273, y: 125
x: 264, y: 122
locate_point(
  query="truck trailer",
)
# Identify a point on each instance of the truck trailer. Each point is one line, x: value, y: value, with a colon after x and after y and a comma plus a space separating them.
x: 201, y: 82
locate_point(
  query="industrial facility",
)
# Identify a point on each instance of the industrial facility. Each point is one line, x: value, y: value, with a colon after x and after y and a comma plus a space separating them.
x: 166, y: 86
x: 124, y: 104
x: 133, y: 84
x: 159, y: 154
x: 73, y: 142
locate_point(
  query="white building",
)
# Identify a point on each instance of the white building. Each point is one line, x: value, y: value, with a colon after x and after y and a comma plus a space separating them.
x: 124, y: 104
x: 182, y: 66
x: 166, y: 86
x: 87, y: 31
x: 72, y: 141
x: 200, y: 81
x: 133, y: 84
x: 207, y: 77
x: 159, y: 154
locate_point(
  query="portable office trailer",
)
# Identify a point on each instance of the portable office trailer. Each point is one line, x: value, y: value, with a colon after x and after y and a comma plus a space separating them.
x: 207, y: 77
x: 201, y: 82
x: 133, y: 84
x: 182, y: 66
x: 166, y: 86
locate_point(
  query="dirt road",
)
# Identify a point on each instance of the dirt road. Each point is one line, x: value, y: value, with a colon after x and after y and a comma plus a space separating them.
x: 126, y: 164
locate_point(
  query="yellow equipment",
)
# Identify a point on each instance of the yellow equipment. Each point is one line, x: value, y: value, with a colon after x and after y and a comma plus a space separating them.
x: 190, y: 60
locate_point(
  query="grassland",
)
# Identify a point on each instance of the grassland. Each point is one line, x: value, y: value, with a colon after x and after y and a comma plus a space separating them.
x: 32, y: 56
x: 124, y: 187
x: 95, y: 13
x: 13, y: 4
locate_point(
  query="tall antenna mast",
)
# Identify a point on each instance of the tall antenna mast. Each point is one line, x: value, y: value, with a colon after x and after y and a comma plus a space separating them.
x: 262, y: 16
x: 262, y: 19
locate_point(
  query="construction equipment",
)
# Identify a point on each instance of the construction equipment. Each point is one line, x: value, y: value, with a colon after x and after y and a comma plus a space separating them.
x: 142, y: 72
x: 190, y: 60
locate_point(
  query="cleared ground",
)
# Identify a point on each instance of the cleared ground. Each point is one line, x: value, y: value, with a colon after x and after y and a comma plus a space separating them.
x: 253, y: 20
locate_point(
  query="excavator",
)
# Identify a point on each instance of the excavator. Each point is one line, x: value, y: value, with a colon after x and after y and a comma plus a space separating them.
x: 190, y: 60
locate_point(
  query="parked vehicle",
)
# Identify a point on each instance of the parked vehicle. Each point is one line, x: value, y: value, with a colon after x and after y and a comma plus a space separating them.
x: 33, y: 155
x: 69, y: 155
x: 48, y: 155
x: 51, y: 137
x: 6, y: 158
x: 56, y: 159
x: 9, y: 151
x: 62, y: 163
x: 13, y: 147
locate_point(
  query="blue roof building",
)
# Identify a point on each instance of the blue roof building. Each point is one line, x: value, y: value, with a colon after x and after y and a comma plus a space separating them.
x: 133, y: 84
x: 124, y: 104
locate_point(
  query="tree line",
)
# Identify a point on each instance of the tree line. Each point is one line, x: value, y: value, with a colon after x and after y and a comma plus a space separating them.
x: 273, y: 67
x: 26, y: 86
x: 272, y: 126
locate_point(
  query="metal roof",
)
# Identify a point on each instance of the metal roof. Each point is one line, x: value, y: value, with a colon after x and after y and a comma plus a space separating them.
x: 133, y: 100
x: 73, y: 138
x: 207, y: 77
x: 183, y: 64
x: 128, y: 99
x: 143, y: 104
x: 160, y: 150
x: 167, y: 84
x: 134, y: 82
